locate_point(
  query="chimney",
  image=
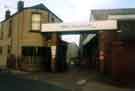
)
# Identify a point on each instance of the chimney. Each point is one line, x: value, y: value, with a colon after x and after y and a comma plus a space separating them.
x: 7, y: 15
x: 20, y: 5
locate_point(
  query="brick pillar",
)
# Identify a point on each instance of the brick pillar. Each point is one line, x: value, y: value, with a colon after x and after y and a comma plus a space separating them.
x: 54, y: 43
x: 105, y: 46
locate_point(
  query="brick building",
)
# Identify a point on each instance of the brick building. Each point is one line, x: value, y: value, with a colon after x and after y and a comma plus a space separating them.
x: 116, y: 48
x: 21, y: 42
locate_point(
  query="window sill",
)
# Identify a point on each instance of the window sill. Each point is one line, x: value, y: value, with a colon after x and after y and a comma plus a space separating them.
x: 37, y: 31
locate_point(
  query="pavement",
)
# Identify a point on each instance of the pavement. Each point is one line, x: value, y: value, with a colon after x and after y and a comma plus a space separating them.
x: 69, y: 80
x: 11, y: 82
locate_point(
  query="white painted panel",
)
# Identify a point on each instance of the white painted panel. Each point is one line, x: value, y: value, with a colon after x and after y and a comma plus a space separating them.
x: 121, y: 17
x: 94, y: 25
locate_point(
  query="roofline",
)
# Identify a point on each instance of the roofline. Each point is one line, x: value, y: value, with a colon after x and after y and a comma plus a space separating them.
x: 112, y: 9
x: 51, y: 12
x: 30, y: 8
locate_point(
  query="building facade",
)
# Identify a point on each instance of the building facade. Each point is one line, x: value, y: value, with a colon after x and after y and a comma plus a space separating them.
x: 21, y: 41
x: 116, y: 48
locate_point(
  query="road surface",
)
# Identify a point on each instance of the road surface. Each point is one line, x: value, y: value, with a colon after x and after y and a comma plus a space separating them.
x: 10, y: 82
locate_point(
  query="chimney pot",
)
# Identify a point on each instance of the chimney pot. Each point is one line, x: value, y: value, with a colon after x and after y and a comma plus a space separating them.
x: 20, y: 5
x: 7, y: 15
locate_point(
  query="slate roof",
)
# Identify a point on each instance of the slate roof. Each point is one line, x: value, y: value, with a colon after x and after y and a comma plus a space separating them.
x: 38, y: 6
x: 102, y: 13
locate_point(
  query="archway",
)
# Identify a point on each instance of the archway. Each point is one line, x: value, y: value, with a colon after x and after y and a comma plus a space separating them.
x: 89, y: 42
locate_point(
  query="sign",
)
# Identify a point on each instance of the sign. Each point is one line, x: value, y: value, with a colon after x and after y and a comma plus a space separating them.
x: 70, y: 27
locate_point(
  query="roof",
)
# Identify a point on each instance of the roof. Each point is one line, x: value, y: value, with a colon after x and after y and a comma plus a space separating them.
x: 88, y: 39
x: 127, y: 27
x: 102, y: 13
x: 39, y: 6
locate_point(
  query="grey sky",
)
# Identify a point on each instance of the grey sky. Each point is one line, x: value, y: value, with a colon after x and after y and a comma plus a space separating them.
x: 69, y: 10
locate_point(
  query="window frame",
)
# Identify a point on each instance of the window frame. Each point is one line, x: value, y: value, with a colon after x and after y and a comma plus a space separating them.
x: 35, y: 30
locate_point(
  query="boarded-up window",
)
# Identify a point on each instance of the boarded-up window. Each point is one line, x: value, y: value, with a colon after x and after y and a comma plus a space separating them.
x: 36, y: 21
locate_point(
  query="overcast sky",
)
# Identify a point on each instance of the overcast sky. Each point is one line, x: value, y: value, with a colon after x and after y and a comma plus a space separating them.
x: 69, y: 10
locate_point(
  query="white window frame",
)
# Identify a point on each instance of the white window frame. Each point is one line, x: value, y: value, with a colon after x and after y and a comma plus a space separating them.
x: 36, y: 22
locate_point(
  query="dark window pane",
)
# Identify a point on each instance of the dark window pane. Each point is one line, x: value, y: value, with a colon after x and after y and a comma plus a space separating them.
x: 28, y: 51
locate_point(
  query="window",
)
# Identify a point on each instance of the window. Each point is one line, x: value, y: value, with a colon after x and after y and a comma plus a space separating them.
x: 0, y: 50
x: 2, y: 34
x: 36, y: 21
x: 52, y: 19
x: 10, y: 28
x: 48, y: 36
x: 28, y: 51
x: 35, y: 51
x: 9, y: 49
x: 1, y: 37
